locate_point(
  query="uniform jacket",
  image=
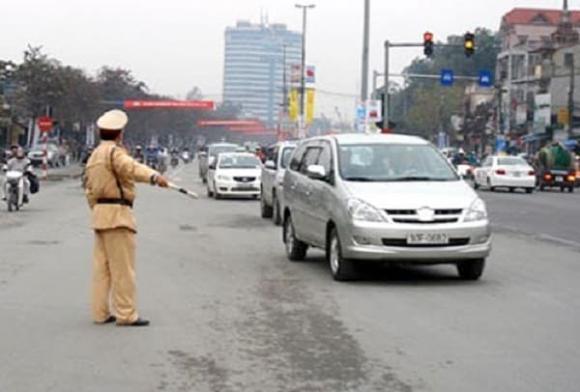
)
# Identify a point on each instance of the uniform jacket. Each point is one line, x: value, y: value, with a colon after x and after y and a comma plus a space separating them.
x: 107, y: 160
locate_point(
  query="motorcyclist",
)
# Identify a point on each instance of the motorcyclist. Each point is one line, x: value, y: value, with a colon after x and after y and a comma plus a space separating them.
x: 460, y: 158
x: 163, y: 157
x: 138, y: 155
x: 22, y: 164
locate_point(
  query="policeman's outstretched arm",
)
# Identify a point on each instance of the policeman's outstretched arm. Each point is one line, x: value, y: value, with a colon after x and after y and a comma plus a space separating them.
x: 127, y: 168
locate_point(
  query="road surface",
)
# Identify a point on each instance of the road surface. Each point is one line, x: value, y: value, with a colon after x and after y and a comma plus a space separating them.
x: 230, y: 313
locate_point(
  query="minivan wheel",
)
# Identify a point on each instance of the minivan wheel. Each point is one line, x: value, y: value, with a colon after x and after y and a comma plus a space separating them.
x: 276, y: 218
x: 471, y: 269
x: 342, y: 269
x: 265, y: 209
x: 295, y: 249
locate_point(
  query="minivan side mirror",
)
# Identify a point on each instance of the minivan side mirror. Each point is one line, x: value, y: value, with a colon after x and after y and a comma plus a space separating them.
x: 316, y: 172
x: 271, y: 165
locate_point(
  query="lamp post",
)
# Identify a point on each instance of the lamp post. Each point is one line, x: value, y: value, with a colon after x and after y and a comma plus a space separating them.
x: 304, y: 8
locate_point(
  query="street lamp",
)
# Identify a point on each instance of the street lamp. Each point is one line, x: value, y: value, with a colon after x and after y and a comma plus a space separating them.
x: 304, y: 8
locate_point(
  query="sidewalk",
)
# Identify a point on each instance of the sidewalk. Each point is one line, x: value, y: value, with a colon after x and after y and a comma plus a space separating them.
x: 62, y: 173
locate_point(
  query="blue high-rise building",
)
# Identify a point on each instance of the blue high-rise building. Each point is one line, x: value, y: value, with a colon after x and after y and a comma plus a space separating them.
x: 254, y: 67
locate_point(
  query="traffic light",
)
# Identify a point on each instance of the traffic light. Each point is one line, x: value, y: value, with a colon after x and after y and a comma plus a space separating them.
x: 469, y: 44
x: 428, y: 44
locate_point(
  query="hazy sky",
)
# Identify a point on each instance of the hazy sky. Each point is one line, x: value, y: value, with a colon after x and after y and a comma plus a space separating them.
x: 176, y: 44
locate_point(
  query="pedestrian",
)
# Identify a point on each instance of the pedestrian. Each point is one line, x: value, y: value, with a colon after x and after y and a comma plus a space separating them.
x: 110, y: 189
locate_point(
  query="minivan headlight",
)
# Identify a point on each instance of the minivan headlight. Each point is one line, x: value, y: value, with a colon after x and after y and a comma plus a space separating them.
x: 363, y: 211
x: 221, y: 177
x: 476, y: 212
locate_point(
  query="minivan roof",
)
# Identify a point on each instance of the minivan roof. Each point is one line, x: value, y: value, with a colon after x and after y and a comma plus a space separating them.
x: 365, y: 138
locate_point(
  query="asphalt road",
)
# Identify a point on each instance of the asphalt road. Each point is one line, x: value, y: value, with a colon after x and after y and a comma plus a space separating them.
x: 230, y: 313
x: 551, y: 216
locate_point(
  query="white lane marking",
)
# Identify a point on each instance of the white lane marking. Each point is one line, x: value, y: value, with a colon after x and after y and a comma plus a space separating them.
x: 559, y: 240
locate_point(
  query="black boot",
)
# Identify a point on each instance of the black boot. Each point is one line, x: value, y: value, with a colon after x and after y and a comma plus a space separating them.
x: 137, y: 323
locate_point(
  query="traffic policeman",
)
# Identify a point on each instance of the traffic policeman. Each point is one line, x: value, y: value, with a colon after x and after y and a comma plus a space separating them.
x: 111, y: 176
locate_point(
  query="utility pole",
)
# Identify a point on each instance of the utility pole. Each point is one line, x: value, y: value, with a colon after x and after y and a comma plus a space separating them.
x: 365, y: 56
x: 285, y: 83
x: 386, y: 95
x: 304, y: 9
x: 375, y: 77
x: 571, y: 94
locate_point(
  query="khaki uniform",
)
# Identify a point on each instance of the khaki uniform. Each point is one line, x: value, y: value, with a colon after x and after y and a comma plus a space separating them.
x: 111, y: 176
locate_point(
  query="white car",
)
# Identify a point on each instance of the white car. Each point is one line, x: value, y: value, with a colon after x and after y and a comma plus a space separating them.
x: 234, y: 174
x: 505, y: 172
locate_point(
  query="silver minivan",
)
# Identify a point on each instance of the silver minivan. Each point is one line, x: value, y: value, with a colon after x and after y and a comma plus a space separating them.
x: 385, y: 198
x: 272, y: 197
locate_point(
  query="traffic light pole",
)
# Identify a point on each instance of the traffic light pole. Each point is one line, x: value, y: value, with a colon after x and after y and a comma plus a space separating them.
x: 388, y: 46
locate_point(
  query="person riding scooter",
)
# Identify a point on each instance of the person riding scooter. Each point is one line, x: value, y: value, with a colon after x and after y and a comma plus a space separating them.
x: 138, y: 155
x: 19, y: 163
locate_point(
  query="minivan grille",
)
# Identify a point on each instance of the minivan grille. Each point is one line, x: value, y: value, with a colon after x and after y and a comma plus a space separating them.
x: 402, y: 243
x: 441, y: 216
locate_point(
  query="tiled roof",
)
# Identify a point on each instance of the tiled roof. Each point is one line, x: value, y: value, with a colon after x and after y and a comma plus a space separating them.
x: 528, y: 15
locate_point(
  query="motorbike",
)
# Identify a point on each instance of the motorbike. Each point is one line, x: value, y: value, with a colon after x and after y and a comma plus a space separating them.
x: 152, y: 162
x: 174, y: 161
x: 14, y: 190
x: 185, y: 157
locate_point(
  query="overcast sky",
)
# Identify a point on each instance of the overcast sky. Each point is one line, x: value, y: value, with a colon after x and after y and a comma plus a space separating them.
x: 174, y: 45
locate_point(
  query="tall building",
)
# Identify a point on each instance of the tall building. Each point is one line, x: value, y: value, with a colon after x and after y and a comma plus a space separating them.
x: 258, y: 60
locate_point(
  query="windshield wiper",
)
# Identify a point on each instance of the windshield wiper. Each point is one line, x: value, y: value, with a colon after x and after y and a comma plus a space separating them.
x: 418, y: 179
x: 360, y: 179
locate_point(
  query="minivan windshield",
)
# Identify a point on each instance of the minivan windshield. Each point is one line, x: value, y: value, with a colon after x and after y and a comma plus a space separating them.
x: 239, y: 162
x: 393, y: 163
x: 286, y: 155
x: 215, y: 150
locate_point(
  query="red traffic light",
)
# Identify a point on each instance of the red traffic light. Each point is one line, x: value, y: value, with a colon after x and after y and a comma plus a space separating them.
x: 428, y: 37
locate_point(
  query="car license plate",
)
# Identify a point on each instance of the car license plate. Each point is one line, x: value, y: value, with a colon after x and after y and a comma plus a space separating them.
x: 246, y: 186
x: 427, y: 239
x: 559, y: 179
x: 517, y: 174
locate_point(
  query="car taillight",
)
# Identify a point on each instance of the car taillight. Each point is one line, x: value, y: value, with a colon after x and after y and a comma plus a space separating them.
x: 547, y: 177
x: 531, y: 173
x: 500, y: 172
x: 571, y: 178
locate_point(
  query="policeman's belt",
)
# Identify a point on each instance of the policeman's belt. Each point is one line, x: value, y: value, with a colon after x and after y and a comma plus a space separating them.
x: 122, y: 202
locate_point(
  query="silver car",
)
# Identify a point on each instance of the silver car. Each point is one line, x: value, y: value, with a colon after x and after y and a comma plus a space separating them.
x: 382, y: 198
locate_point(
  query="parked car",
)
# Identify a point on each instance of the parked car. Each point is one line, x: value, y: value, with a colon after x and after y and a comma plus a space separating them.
x: 234, y: 174
x: 509, y: 172
x: 54, y: 156
x: 382, y: 198
x: 208, y: 155
x: 271, y: 196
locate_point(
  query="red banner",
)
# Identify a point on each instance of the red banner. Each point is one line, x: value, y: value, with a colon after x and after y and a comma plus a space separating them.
x: 229, y: 123
x: 197, y: 105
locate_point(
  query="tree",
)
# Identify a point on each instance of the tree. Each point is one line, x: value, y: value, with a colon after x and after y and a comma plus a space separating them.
x: 194, y: 94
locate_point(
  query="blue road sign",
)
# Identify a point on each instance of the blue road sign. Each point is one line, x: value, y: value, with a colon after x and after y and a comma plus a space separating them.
x: 485, y: 78
x: 447, y: 77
